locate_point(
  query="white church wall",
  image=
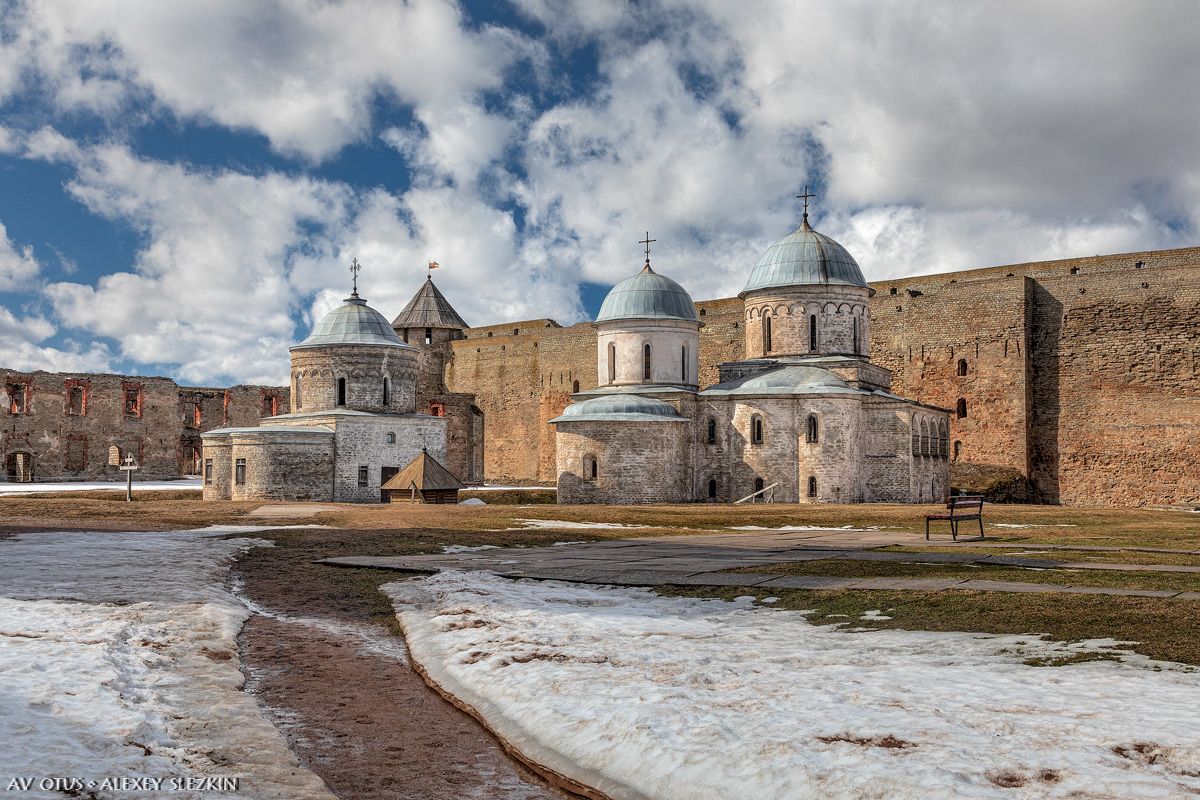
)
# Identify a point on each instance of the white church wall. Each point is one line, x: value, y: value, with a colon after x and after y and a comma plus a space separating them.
x: 667, y: 339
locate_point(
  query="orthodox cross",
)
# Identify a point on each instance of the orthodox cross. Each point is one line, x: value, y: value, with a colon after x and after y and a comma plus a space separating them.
x: 647, y: 241
x: 354, y: 268
x: 805, y: 197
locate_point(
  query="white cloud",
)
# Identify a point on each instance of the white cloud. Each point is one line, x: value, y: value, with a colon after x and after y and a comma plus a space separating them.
x: 301, y: 72
x: 18, y: 267
x: 23, y: 349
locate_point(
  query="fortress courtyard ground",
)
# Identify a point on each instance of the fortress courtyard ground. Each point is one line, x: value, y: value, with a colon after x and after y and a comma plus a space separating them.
x: 368, y: 726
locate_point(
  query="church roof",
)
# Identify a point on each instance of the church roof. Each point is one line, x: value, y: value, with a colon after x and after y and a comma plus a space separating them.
x: 805, y: 257
x: 353, y: 322
x: 785, y: 381
x: 620, y: 408
x: 429, y: 308
x: 647, y: 295
x: 426, y: 474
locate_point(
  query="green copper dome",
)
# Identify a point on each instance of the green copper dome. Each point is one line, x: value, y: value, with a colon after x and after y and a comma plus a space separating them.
x: 802, y: 258
x: 353, y: 322
x: 648, y: 295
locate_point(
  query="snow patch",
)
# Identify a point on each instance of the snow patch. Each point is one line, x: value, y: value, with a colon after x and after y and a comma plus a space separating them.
x: 557, y: 524
x: 119, y: 657
x: 183, y: 484
x: 814, y: 528
x: 643, y: 696
x: 464, y: 548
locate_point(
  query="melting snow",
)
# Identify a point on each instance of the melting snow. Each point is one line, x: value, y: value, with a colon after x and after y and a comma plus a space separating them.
x: 463, y: 548
x: 813, y: 528
x: 119, y: 658
x: 182, y: 484
x: 643, y: 696
x: 558, y: 524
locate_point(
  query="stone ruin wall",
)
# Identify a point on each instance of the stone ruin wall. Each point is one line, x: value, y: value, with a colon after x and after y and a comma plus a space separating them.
x: 1083, y: 375
x: 71, y: 441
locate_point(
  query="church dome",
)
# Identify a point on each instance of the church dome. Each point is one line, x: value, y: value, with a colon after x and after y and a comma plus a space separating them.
x: 353, y: 322
x: 648, y: 295
x: 805, y: 257
x: 620, y: 408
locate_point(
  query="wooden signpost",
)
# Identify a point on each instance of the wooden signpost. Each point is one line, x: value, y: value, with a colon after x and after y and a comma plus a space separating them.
x: 128, y: 467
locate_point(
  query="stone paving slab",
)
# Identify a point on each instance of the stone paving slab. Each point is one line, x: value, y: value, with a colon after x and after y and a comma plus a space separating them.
x: 726, y: 579
x: 639, y: 577
x: 910, y: 584
x: 808, y: 582
x: 1188, y: 596
x: 1120, y: 592
x: 1011, y: 586
x: 569, y: 574
x: 1130, y: 567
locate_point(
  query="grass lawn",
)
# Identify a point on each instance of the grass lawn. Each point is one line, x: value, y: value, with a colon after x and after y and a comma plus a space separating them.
x: 1158, y: 628
x: 843, y: 568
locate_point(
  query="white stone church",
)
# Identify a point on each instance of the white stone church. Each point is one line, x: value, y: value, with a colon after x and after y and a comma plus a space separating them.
x: 804, y: 418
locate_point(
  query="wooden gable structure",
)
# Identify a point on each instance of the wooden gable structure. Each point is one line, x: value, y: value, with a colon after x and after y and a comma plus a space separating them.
x: 422, y: 481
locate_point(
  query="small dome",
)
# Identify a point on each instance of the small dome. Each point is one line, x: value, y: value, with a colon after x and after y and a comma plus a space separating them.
x: 785, y: 380
x: 353, y: 322
x: 620, y: 408
x: 648, y: 295
x: 805, y: 257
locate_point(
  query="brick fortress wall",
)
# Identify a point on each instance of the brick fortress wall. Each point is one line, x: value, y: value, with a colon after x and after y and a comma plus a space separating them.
x: 1082, y: 375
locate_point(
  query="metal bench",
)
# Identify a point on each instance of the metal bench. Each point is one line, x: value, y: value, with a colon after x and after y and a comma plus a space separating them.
x: 961, y: 509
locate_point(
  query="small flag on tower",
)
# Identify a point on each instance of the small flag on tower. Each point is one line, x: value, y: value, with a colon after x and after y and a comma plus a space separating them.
x: 434, y: 265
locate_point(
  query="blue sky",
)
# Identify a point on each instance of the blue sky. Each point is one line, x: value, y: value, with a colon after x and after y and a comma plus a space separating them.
x: 183, y: 186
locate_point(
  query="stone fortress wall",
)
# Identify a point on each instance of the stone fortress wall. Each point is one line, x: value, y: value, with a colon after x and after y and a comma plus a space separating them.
x: 1081, y: 384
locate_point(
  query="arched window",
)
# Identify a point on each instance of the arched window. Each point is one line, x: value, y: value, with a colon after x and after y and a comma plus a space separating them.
x: 812, y: 333
x: 386, y: 388
x: 961, y: 408
x: 341, y: 391
x: 756, y: 430
x: 391, y: 438
x: 916, y: 437
x: 646, y: 362
x: 712, y: 488
x: 924, y: 437
x: 683, y: 359
x: 712, y: 431
x: 957, y: 450
x: 812, y: 428
x: 590, y: 467
x: 758, y: 484
x: 429, y: 336
x: 299, y: 391
x: 612, y: 362
x: 766, y: 333
x: 962, y: 367
x: 943, y: 439
x: 855, y: 322
x: 574, y: 386
x: 812, y: 485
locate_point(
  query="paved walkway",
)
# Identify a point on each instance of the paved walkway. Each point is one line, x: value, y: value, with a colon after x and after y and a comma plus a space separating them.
x: 707, y: 560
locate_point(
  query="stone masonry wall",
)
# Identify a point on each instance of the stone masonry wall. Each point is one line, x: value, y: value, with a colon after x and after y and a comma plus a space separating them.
x: 1093, y: 396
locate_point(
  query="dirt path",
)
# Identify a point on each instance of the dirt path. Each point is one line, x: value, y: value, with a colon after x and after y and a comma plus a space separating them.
x: 354, y: 712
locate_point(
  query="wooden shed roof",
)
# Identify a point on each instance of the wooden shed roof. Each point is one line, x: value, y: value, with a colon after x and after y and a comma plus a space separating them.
x: 426, y: 474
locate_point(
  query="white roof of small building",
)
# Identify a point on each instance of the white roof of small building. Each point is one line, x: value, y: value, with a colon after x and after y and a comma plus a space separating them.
x: 620, y: 408
x: 787, y: 380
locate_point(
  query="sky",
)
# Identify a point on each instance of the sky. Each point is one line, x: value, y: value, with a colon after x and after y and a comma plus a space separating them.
x: 183, y: 186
